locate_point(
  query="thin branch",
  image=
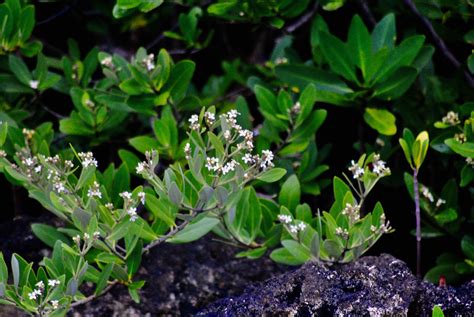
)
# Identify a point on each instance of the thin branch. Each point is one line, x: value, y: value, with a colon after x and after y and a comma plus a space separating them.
x: 93, y: 296
x: 303, y: 19
x: 438, y: 41
x: 169, y: 234
x: 418, y: 222
x: 369, y: 17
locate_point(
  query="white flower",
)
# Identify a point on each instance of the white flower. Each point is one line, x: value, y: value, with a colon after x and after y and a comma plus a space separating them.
x: 187, y: 151
x: 227, y: 135
x: 142, y: 167
x: 55, y: 304
x: 107, y: 62
x: 53, y: 283
x: 194, y: 121
x: 40, y: 285
x: 76, y: 239
x: 342, y: 232
x: 86, y: 236
x: 210, y: 118
x: 3, y: 154
x: 267, y: 159
x: 440, y: 202
x: 132, y: 212
x: 296, y: 108
x: 248, y: 158
x: 451, y: 118
x: 379, y: 167
x: 301, y: 226
x: 34, y: 294
x: 229, y: 167
x: 470, y: 161
x: 38, y: 169
x: 109, y: 206
x: 212, y: 164
x: 356, y: 170
x: 34, y: 84
x: 96, y: 235
x: 285, y: 218
x: 373, y: 229
x: 142, y: 195
x: 94, y: 191
x: 149, y: 62
x: 427, y: 194
x: 126, y: 195
x: 87, y: 159
x: 293, y: 228
x: 59, y: 187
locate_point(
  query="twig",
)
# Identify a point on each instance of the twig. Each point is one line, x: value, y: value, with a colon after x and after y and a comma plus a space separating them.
x: 418, y: 222
x: 57, y: 15
x: 303, y: 19
x: 438, y: 41
x: 169, y: 234
x: 369, y: 17
x: 93, y: 296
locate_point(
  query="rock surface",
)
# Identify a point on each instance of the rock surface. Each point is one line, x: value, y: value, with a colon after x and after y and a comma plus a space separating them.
x: 371, y: 286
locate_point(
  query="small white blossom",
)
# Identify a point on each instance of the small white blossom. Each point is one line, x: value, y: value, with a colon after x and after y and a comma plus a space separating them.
x: 132, y: 212
x: 34, y: 84
x: 212, y: 164
x: 301, y: 226
x: 141, y: 196
x: 373, y: 229
x: 451, y: 118
x: 379, y: 167
x: 187, y: 151
x: 470, y: 161
x: 59, y: 187
x: 440, y: 202
x: 28, y: 133
x: 40, y: 285
x: 53, y: 283
x: 86, y: 236
x: 427, y: 194
x: 126, y: 195
x: 293, y: 228
x: 210, y: 118
x: 285, y: 218
x: 142, y: 167
x: 55, y: 304
x: 229, y: 167
x: 267, y: 159
x: 356, y: 170
x: 76, y: 239
x: 94, y: 191
x: 38, y: 169
x: 87, y: 159
x: 34, y: 294
x: 460, y: 137
x: 343, y: 233
x: 3, y: 154
x: 107, y: 62
x: 227, y: 135
x: 194, y: 121
x: 109, y: 206
x: 96, y: 235
x: 248, y: 158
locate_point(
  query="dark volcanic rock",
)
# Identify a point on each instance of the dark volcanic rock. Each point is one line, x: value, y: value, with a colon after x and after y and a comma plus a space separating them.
x: 182, y: 279
x: 372, y: 286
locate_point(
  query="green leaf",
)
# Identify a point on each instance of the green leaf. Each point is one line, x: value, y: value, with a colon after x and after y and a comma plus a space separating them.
x: 299, y: 252
x: 381, y: 120
x: 194, y: 231
x: 3, y: 270
x: 48, y: 234
x: 144, y: 143
x: 396, y: 84
x: 290, y: 193
x: 282, y: 255
x: 135, y: 258
x: 180, y: 77
x: 272, y: 175
x: 465, y: 149
x: 337, y: 55
x: 384, y: 33
x: 437, y: 311
x: 420, y: 148
x: 104, y: 278
x: 302, y: 75
x: 19, y: 69
x: 467, y: 246
x: 75, y: 127
x: 27, y: 23
x: 15, y: 265
x: 360, y: 43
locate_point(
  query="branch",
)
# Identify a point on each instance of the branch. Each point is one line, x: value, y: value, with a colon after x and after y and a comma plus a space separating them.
x: 302, y: 20
x: 369, y: 17
x: 93, y: 296
x: 438, y: 41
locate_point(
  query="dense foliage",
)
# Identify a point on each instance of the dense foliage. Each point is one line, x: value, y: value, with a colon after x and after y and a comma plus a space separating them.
x: 135, y: 141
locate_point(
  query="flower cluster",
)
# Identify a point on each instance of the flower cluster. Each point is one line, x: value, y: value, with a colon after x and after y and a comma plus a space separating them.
x: 149, y: 62
x: 352, y: 212
x: 451, y: 118
x: 378, y: 166
x: 94, y: 191
x: 130, y: 204
x: 292, y: 225
x: 147, y: 167
x: 40, y: 288
x: 357, y: 171
x: 87, y: 159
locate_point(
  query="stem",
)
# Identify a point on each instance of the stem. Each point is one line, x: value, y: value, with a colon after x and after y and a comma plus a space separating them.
x: 438, y: 41
x: 418, y: 222
x: 92, y: 297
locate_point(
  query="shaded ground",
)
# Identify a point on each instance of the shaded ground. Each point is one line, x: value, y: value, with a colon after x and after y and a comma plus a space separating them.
x: 372, y: 286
